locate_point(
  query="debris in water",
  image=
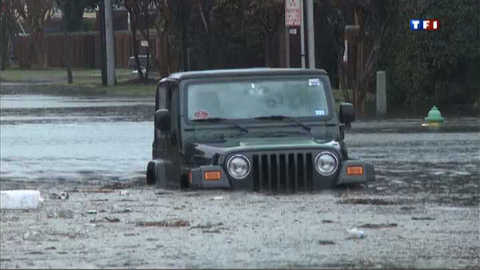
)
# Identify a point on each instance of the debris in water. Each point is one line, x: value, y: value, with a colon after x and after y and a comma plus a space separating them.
x: 164, y: 223
x: 211, y: 231
x: 378, y: 226
x: 423, y: 218
x: 375, y: 201
x: 112, y: 219
x: 99, y: 200
x: 32, y: 236
x: 62, y: 196
x: 163, y: 193
x: 208, y: 225
x: 20, y: 199
x: 325, y: 242
x: 355, y: 234
x: 123, y: 211
x: 62, y: 213
x: 100, y: 190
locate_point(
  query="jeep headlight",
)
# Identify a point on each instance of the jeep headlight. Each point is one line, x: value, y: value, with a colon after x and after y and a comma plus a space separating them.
x: 238, y: 166
x: 326, y: 163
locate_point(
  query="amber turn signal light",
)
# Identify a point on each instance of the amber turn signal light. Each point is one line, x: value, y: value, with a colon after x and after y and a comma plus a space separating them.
x: 212, y: 175
x: 355, y: 170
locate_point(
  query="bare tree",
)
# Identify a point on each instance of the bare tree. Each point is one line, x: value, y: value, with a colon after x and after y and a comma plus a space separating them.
x: 365, y: 41
x: 65, y: 6
x: 140, y: 21
x: 7, y: 30
x: 166, y: 61
x: 270, y: 14
x: 172, y: 19
x: 34, y: 14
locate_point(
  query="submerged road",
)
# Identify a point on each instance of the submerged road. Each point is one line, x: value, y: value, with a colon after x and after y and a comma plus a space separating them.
x: 47, y: 138
x: 426, y: 197
x: 74, y: 139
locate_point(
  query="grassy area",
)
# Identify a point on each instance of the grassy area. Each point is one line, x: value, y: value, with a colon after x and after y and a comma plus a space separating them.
x: 88, y: 81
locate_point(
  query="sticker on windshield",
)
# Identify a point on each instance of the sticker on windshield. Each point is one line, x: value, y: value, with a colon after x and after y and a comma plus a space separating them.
x: 201, y: 115
x: 314, y: 82
x: 319, y: 112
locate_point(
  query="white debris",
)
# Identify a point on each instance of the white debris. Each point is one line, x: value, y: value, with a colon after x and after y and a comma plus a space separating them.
x: 356, y: 234
x: 20, y: 199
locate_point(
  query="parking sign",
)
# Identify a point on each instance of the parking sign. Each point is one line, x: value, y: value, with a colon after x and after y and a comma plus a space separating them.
x: 293, y: 13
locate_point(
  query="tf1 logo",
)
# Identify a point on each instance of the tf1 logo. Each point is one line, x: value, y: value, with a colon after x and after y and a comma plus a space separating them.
x: 425, y: 25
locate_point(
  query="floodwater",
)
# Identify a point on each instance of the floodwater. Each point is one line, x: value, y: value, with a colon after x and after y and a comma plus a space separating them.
x: 420, y: 212
x: 74, y: 138
x: 109, y: 138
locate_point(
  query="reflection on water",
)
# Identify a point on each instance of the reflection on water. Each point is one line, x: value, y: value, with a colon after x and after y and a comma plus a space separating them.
x: 111, y: 149
x: 42, y: 101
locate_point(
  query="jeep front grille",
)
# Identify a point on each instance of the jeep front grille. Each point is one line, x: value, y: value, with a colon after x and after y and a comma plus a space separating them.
x: 282, y: 172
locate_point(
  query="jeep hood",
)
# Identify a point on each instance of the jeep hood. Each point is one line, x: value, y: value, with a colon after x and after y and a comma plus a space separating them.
x: 208, y: 150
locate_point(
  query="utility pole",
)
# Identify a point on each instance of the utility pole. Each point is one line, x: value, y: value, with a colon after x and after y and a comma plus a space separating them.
x: 110, y: 43
x: 302, y: 36
x: 67, y: 45
x: 103, y: 55
x: 311, y: 35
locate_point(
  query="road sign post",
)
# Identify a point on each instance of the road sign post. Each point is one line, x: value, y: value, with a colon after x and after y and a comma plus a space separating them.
x: 294, y: 18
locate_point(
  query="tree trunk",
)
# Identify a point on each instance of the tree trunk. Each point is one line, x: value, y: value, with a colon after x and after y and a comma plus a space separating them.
x: 67, y: 47
x: 27, y: 61
x: 147, y: 29
x: 162, y: 53
x: 3, y: 41
x: 135, y: 50
x: 103, y: 46
x: 268, y: 49
x: 38, y: 48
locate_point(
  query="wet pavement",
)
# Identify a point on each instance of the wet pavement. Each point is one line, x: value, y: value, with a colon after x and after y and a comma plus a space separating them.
x: 427, y: 184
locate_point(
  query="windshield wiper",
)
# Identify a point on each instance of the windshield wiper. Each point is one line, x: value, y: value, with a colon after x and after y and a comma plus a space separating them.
x: 219, y: 119
x: 284, y: 117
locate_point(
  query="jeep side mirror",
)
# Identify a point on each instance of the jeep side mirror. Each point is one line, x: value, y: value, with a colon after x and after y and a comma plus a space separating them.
x: 162, y: 119
x: 347, y: 113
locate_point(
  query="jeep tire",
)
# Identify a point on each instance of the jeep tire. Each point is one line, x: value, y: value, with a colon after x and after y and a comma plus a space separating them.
x: 151, y: 178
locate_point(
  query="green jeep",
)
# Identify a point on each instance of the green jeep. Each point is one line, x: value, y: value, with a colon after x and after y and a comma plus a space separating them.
x: 273, y: 130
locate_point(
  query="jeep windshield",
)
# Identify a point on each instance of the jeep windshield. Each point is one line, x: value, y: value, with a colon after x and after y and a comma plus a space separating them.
x: 257, y: 98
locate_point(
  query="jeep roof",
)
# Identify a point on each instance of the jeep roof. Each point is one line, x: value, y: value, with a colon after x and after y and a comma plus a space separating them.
x: 218, y: 73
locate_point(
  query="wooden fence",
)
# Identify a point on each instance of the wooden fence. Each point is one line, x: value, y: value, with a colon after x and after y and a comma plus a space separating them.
x: 85, y: 49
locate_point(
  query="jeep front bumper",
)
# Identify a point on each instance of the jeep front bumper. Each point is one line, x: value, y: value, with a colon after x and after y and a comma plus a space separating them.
x: 282, y: 176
